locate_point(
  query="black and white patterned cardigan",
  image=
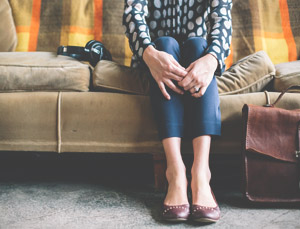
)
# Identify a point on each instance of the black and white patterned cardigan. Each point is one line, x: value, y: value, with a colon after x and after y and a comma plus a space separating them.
x: 145, y: 20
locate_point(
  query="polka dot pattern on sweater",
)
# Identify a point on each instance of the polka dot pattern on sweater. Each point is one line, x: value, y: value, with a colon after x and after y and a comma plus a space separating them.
x: 146, y: 20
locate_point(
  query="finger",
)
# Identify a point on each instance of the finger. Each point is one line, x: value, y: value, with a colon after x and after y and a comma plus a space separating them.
x: 200, y: 93
x: 174, y: 77
x: 178, y: 71
x: 171, y: 85
x: 189, y: 68
x: 163, y: 90
x: 186, y: 81
x: 193, y: 87
x: 177, y: 64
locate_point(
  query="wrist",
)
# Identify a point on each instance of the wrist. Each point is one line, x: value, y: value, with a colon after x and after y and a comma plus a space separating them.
x: 213, y: 60
x: 148, y: 51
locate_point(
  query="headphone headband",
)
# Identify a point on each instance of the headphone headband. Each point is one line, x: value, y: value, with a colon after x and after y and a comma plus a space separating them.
x: 93, y: 52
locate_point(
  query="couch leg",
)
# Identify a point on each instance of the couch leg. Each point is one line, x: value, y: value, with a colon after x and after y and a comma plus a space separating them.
x: 159, y: 165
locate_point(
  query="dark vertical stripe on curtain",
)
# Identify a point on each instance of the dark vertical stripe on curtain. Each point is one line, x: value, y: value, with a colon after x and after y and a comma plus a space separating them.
x: 50, y: 25
x: 294, y: 9
x: 242, y: 23
x: 113, y: 33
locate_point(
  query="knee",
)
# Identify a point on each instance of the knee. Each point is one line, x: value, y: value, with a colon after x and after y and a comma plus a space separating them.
x: 167, y: 44
x: 193, y: 44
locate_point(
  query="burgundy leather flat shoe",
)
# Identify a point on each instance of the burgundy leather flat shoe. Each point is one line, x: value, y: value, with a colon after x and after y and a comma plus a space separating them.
x: 176, y: 213
x: 205, y: 214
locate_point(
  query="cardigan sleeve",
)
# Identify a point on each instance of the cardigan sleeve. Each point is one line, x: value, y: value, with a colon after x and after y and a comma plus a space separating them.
x: 219, y: 37
x: 136, y: 28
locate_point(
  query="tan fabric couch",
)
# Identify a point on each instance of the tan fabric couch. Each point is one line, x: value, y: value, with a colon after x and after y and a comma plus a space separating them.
x: 40, y: 110
x: 106, y: 122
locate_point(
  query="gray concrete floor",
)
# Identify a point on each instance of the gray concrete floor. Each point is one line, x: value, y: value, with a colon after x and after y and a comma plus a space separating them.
x: 114, y: 191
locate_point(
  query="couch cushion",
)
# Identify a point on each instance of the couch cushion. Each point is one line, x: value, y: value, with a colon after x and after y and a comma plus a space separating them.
x: 287, y: 74
x: 87, y: 122
x: 105, y: 122
x: 250, y: 74
x: 8, y: 35
x: 40, y: 71
x: 111, y: 76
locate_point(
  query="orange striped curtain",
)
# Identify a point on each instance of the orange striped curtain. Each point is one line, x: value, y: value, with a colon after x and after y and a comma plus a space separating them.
x: 269, y: 25
x: 43, y: 25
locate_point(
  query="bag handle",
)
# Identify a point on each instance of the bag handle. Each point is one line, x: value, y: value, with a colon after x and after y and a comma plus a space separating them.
x: 283, y: 92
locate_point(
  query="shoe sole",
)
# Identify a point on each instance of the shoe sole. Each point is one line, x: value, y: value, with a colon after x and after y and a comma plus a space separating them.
x: 206, y: 220
x: 176, y: 220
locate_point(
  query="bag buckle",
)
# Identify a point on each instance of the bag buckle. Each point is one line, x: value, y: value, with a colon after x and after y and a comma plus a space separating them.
x: 297, y: 153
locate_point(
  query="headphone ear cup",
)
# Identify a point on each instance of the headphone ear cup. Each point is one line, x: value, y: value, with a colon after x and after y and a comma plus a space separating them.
x: 96, y: 53
x: 87, y: 49
x: 89, y: 45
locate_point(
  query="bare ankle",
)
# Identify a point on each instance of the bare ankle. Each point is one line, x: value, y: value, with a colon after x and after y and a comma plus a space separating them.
x: 175, y: 173
x: 201, y: 174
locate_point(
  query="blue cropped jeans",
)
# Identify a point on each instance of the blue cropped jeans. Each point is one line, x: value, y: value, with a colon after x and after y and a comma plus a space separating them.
x: 183, y: 115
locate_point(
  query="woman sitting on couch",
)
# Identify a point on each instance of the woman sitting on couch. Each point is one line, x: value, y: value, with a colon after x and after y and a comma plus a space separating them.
x: 183, y: 43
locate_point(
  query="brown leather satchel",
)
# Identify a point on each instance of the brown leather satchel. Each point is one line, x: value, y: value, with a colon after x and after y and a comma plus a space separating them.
x: 271, y: 153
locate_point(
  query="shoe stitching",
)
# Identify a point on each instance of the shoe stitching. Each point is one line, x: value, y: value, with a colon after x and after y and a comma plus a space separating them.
x: 203, y: 207
x: 170, y: 208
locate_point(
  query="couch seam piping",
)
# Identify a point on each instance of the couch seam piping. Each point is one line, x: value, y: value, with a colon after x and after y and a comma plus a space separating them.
x: 59, y: 122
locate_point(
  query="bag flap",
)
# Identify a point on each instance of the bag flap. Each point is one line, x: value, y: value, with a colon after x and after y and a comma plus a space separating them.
x: 272, y: 131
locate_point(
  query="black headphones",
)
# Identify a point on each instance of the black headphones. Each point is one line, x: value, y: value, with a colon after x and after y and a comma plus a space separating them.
x: 94, y: 51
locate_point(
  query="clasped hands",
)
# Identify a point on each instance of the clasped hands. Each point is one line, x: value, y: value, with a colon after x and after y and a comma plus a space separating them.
x: 164, y: 68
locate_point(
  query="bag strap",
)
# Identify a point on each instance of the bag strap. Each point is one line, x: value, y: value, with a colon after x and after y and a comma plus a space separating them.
x: 298, y: 145
x: 283, y: 92
x: 268, y: 104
